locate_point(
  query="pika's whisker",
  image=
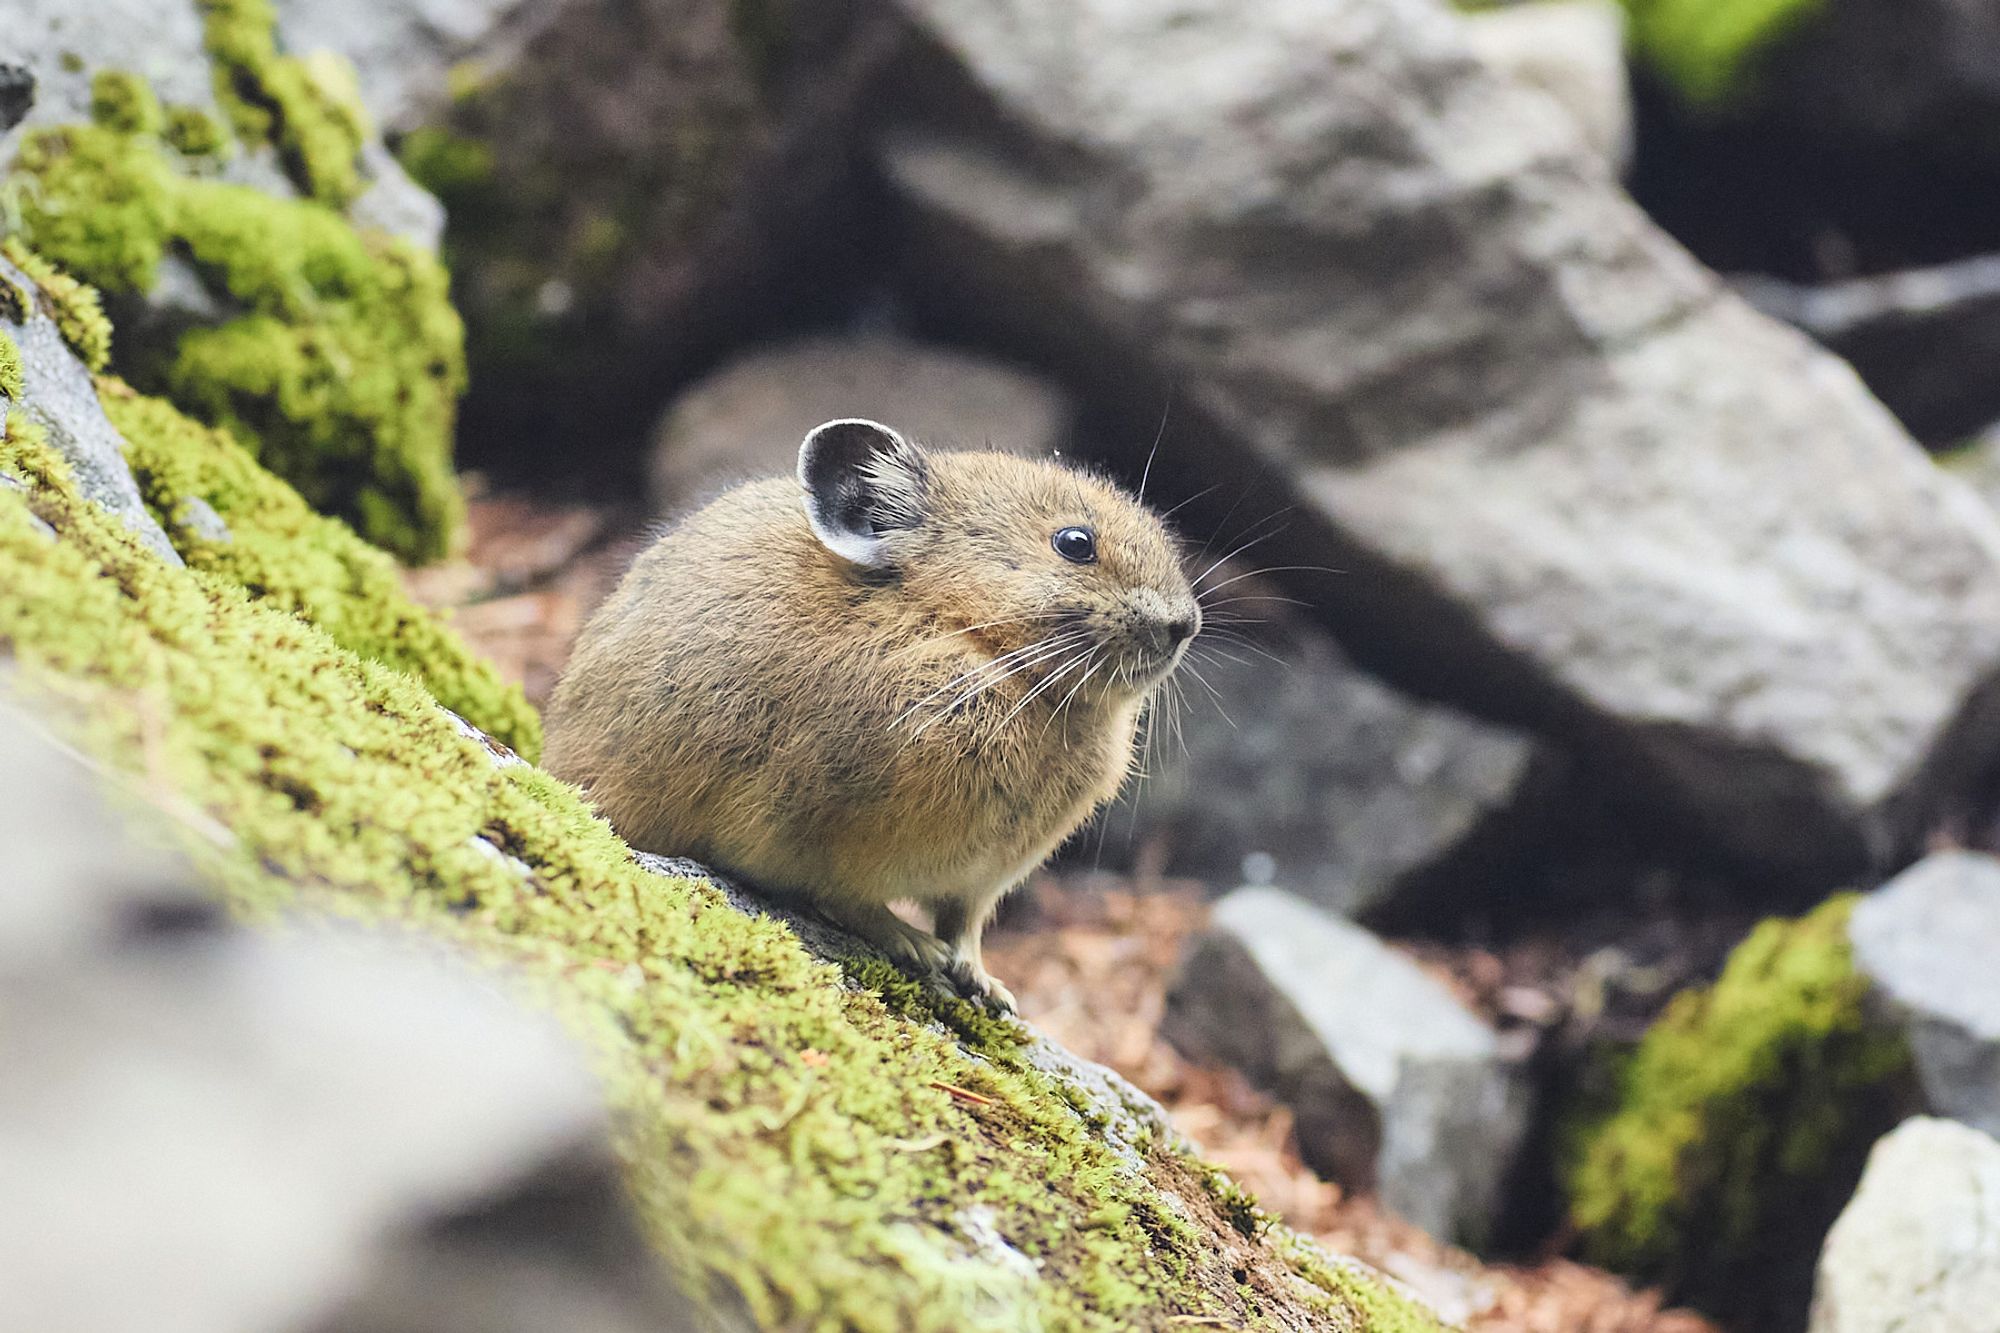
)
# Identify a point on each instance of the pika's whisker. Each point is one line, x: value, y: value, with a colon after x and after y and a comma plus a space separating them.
x: 1008, y: 664
x: 1258, y: 597
x: 1230, y: 513
x: 1206, y: 490
x: 1226, y: 656
x: 1054, y: 650
x: 1063, y: 707
x: 1230, y: 637
x: 1249, y: 545
x: 1154, y: 452
x: 1274, y: 569
x: 921, y: 644
x: 1045, y: 683
x: 1214, y: 694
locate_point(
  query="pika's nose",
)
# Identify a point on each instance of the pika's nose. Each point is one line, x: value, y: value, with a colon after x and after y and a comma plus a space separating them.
x: 1181, y: 630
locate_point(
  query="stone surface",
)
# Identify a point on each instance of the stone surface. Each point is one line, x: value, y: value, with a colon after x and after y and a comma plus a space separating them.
x: 59, y: 395
x: 1977, y: 464
x: 1919, y: 1245
x: 1396, y: 1087
x: 633, y: 187
x: 1567, y: 477
x: 747, y: 419
x: 1291, y: 766
x: 161, y: 41
x: 1925, y: 340
x: 404, y: 51
x: 301, y: 1128
x: 1922, y: 75
x: 1928, y: 941
x: 1573, y: 50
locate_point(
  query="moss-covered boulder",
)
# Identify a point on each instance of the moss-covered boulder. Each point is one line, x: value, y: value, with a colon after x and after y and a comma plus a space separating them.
x: 628, y: 191
x: 192, y: 495
x: 230, y: 202
x: 815, y: 1140
x: 1738, y: 1127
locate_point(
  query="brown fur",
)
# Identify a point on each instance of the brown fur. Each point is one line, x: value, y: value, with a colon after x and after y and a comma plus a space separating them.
x: 748, y: 698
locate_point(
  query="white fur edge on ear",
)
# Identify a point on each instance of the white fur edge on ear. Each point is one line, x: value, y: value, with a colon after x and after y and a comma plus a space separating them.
x: 851, y: 544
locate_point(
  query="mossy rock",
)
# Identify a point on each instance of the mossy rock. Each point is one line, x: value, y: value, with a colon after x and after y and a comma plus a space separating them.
x: 1740, y: 1124
x: 1708, y: 50
x: 627, y: 194
x: 191, y: 491
x: 328, y: 349
x: 815, y: 1144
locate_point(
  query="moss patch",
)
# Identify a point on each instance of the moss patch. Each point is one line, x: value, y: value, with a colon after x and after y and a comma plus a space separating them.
x: 193, y: 133
x: 122, y: 101
x: 801, y: 1147
x: 1744, y: 1104
x: 308, y: 109
x: 73, y: 305
x: 342, y: 375
x: 1708, y: 48
x: 10, y: 366
x: 291, y: 557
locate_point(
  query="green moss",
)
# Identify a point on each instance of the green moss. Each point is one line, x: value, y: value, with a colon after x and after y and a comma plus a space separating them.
x: 124, y: 102
x: 446, y: 163
x: 1708, y: 48
x: 10, y: 366
x: 797, y: 1145
x: 291, y: 557
x: 192, y: 132
x: 73, y: 305
x: 343, y: 373
x: 306, y: 109
x: 1738, y: 1105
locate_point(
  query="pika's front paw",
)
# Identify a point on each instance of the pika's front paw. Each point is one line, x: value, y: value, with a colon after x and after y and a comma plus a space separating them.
x: 978, y: 985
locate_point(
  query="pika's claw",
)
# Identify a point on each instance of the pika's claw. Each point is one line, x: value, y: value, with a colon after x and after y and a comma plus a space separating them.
x: 976, y: 984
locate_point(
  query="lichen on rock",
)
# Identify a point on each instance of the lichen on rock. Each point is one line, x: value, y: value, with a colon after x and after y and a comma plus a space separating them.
x: 1741, y: 1120
x: 340, y: 360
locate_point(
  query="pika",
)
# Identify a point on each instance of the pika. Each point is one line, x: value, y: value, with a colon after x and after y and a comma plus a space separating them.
x: 903, y: 675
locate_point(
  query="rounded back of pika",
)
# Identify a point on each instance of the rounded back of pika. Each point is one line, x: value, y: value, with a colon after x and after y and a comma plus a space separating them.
x: 901, y: 674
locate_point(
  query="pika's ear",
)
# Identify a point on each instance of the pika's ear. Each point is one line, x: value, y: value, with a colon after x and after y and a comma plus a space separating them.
x: 862, y: 480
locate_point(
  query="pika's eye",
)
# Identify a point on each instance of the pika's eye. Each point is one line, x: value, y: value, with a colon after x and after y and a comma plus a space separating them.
x: 1076, y: 545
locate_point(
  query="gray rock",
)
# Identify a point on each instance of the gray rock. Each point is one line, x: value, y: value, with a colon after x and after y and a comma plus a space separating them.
x: 62, y: 49
x: 1925, y: 340
x: 1883, y: 73
x: 639, y: 184
x: 1285, y: 763
x: 1395, y: 1086
x: 1918, y: 1248
x: 300, y: 1128
x: 1977, y: 464
x: 1928, y: 941
x: 404, y: 51
x: 59, y: 394
x: 1573, y: 50
x: 747, y: 419
x: 1568, y: 477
